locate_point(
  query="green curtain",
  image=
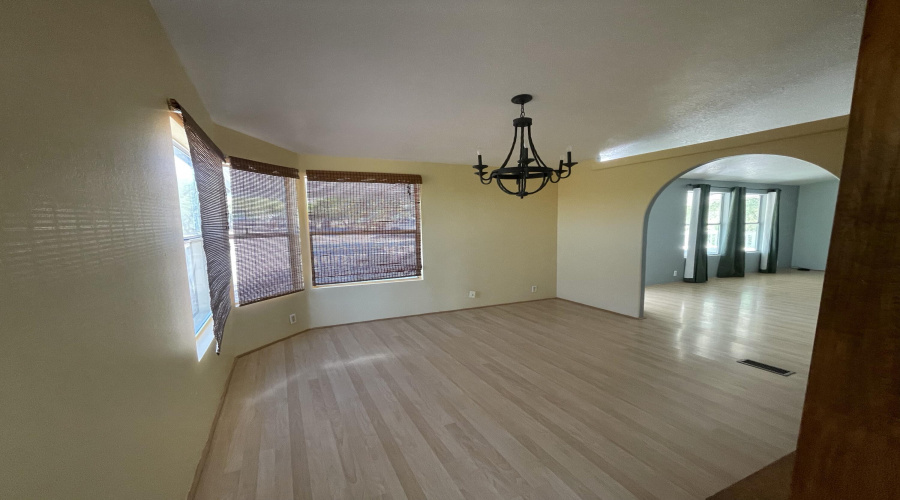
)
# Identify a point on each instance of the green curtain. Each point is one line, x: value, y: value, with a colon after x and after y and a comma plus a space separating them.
x: 731, y: 262
x: 768, y: 248
x: 696, y: 263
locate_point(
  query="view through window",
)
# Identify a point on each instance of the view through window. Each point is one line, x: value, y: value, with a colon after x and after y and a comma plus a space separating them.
x: 193, y: 240
x: 751, y: 223
x: 714, y: 222
x: 264, y: 230
x: 363, y: 226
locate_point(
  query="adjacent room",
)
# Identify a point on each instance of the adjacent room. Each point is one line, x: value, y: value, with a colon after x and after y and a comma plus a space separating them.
x: 286, y: 249
x: 738, y: 247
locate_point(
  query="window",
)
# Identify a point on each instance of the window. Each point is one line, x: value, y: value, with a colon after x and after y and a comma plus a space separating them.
x: 714, y: 224
x: 193, y: 241
x: 194, y: 254
x: 363, y: 226
x: 751, y: 223
x: 265, y: 230
x: 687, y: 220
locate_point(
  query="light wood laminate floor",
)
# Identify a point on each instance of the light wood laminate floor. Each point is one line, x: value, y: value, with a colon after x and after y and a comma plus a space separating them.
x: 546, y: 399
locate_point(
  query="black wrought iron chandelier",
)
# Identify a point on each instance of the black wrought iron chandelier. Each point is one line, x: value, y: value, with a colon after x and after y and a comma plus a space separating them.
x: 539, y: 173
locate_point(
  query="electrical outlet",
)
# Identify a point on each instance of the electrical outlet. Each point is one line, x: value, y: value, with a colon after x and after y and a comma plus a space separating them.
x: 292, y: 318
x: 675, y: 273
x: 533, y: 288
x: 472, y: 294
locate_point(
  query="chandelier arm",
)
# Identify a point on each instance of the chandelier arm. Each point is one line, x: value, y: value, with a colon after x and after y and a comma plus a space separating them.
x: 522, y: 181
x: 511, y: 148
x: 537, y: 157
x: 569, y: 169
x: 544, y: 183
x: 480, y: 172
x: 503, y: 188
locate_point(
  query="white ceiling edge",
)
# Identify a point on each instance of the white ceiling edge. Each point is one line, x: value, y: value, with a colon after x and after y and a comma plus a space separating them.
x: 761, y: 169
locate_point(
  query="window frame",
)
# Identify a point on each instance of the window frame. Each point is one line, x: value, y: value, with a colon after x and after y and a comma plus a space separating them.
x: 757, y: 223
x: 688, y: 206
x: 259, y: 168
x: 417, y: 232
x: 203, y: 335
x: 717, y: 250
x: 197, y: 238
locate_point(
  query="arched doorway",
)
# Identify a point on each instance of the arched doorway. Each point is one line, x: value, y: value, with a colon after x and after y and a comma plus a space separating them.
x: 806, y: 223
x: 768, y: 316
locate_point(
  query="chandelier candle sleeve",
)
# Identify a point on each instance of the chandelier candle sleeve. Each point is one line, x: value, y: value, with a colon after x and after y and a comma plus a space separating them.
x: 530, y: 167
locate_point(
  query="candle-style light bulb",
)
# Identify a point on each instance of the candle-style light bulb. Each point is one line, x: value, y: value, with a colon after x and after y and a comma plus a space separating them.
x: 478, y: 152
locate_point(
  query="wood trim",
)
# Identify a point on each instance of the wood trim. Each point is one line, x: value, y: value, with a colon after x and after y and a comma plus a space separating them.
x: 392, y: 317
x: 204, y: 455
x: 259, y: 167
x: 375, y: 177
x: 849, y: 445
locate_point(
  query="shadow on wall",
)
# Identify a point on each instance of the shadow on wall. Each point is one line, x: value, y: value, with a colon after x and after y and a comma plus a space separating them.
x: 57, y: 240
x: 808, y: 196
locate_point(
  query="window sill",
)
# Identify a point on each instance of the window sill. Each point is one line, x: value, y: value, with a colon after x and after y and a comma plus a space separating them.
x: 370, y: 282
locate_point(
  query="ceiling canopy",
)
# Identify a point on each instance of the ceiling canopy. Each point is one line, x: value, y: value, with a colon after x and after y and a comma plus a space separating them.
x: 430, y: 80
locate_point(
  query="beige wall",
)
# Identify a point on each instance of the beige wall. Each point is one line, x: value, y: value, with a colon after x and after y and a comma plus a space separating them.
x: 102, y: 394
x: 603, y: 208
x: 474, y: 237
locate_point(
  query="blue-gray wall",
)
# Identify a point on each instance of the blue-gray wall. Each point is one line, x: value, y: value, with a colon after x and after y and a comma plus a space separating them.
x: 666, y: 225
x: 815, y: 214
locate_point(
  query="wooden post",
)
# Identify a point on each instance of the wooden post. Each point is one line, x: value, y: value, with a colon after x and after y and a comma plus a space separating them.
x: 849, y: 444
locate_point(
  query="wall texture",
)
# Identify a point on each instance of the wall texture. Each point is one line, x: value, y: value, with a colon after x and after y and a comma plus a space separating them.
x: 665, y: 231
x: 815, y: 214
x: 602, y: 212
x: 102, y: 394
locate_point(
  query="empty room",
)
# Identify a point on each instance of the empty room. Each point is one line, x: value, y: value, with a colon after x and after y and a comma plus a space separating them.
x: 450, y: 250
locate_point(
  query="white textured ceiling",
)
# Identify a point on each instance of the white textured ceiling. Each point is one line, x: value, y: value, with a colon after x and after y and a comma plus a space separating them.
x: 761, y: 169
x: 431, y: 80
